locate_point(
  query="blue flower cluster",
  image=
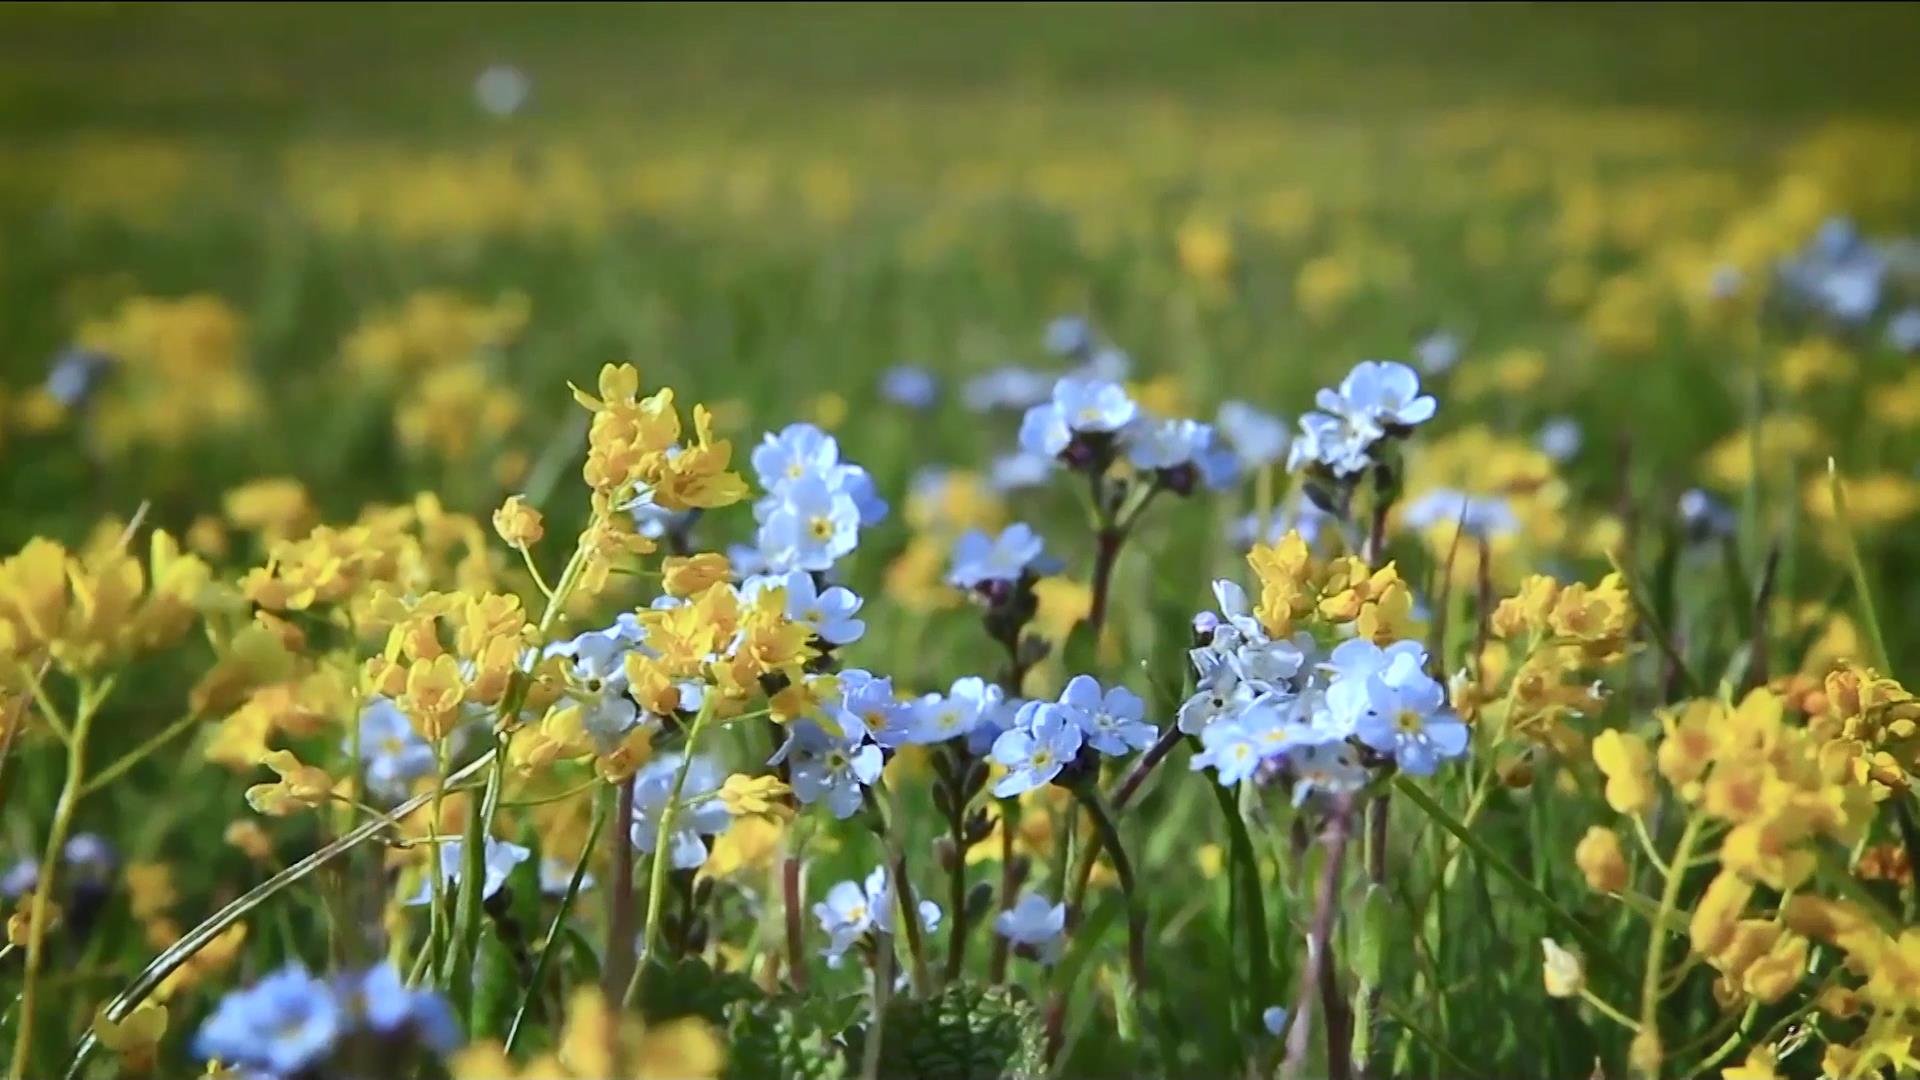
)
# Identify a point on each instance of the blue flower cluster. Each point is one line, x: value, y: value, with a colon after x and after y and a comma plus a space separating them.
x: 1284, y: 706
x: 814, y: 507
x: 836, y: 755
x: 1086, y: 420
x: 700, y: 816
x: 291, y: 1021
x: 1047, y: 736
x: 852, y: 909
x: 1377, y: 399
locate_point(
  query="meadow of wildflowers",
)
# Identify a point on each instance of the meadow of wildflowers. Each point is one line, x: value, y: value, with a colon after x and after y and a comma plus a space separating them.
x: 845, y: 542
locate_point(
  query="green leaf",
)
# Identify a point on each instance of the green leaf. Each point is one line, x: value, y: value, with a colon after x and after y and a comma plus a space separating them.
x: 1369, y: 954
x: 791, y: 1037
x: 967, y: 1032
x: 691, y: 987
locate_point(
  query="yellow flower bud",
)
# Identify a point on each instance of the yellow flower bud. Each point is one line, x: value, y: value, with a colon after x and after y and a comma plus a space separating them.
x: 1645, y: 1053
x: 685, y: 576
x: 1601, y: 861
x: 1628, y: 765
x: 518, y: 523
x: 1562, y: 971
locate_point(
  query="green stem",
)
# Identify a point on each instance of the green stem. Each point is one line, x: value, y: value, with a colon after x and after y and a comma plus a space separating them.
x: 1657, y: 937
x: 1596, y: 949
x: 91, y: 698
x: 1109, y: 836
x: 140, y: 753
x: 1857, y: 570
x: 1604, y: 1009
x: 662, y: 844
x: 1244, y: 869
x: 537, y: 976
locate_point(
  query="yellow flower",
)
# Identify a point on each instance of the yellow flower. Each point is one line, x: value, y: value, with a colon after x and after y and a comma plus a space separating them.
x: 136, y: 1037
x: 1770, y: 977
x: 1601, y: 861
x: 683, y: 576
x: 277, y: 508
x: 1644, y: 1053
x: 1206, y: 249
x: 749, y: 844
x: 747, y: 796
x: 1759, y: 1065
x: 518, y: 523
x: 149, y: 889
x: 20, y: 923
x: 432, y: 698
x: 1717, y: 913
x: 1562, y: 971
x: 299, y: 787
x: 1627, y: 764
x: 247, y: 835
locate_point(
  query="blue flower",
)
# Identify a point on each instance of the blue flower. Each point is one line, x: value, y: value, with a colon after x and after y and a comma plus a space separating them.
x: 1009, y: 387
x: 1378, y: 394
x: 829, y: 612
x: 1020, y: 469
x: 600, y: 678
x: 939, y: 717
x: 1070, y: 336
x: 1111, y: 721
x: 1483, y: 516
x: 1903, y: 330
x: 830, y: 768
x: 979, y: 559
x: 845, y: 916
x: 88, y: 856
x: 387, y: 1007
x: 450, y: 856
x: 795, y: 452
x: 1332, y: 441
x: 879, y: 712
x: 1036, y: 750
x: 913, y: 387
x: 1409, y: 720
x: 1229, y: 749
x: 808, y: 525
x: 1333, y: 769
x: 698, y: 818
x: 1560, y: 437
x: 75, y: 374
x: 1093, y: 405
x: 502, y: 89
x: 395, y: 753
x: 1258, y: 438
x: 285, y: 1023
x: 1437, y: 352
x: 999, y: 713
x: 1033, y: 922
x: 1274, y: 1019
x: 21, y: 878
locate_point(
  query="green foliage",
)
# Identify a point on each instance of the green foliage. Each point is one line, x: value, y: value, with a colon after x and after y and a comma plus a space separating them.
x: 966, y: 1032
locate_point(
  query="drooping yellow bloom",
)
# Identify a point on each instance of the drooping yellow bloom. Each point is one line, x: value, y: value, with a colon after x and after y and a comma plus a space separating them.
x: 1601, y: 860
x: 518, y: 523
x: 1627, y: 764
x: 300, y: 786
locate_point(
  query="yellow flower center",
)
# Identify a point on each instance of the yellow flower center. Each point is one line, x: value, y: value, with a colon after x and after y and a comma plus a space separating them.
x: 795, y: 471
x: 1042, y: 758
x: 821, y: 527
x: 1408, y: 721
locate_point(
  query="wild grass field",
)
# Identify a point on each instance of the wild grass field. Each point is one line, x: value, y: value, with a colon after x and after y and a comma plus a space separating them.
x: 1098, y: 541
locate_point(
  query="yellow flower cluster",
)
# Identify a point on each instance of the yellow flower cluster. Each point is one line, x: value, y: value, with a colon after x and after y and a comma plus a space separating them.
x: 599, y: 1043
x: 1546, y: 641
x: 634, y: 450
x: 87, y: 611
x: 179, y: 371
x: 1294, y: 587
x: 445, y: 651
x: 1883, y: 964
x: 409, y: 549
